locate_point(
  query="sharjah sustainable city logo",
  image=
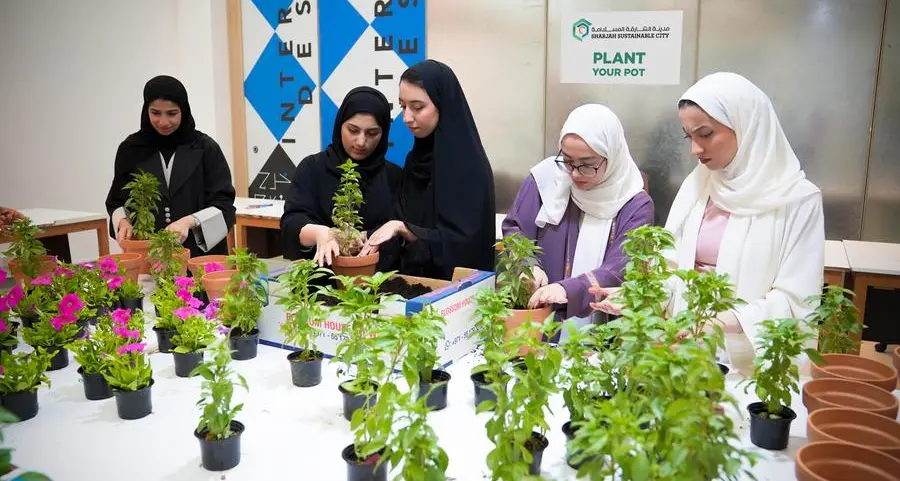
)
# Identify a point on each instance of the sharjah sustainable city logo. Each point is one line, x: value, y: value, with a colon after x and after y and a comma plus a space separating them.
x: 580, y: 29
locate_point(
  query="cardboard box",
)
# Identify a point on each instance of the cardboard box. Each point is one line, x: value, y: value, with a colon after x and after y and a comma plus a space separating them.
x: 455, y: 300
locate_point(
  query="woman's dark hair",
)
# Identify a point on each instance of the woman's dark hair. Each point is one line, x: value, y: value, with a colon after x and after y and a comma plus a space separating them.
x: 687, y: 103
x: 412, y: 77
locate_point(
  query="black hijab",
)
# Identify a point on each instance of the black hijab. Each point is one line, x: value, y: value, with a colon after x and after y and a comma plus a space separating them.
x: 365, y: 100
x: 148, y: 140
x: 453, y: 163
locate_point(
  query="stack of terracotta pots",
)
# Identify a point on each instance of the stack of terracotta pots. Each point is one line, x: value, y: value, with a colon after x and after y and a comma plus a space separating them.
x: 214, y: 283
x: 852, y: 424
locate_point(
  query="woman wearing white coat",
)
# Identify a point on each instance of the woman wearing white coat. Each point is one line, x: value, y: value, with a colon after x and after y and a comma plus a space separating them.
x: 746, y: 210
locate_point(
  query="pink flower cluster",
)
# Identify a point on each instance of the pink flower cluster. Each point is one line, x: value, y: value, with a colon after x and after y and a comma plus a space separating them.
x: 184, y: 284
x: 213, y: 267
x: 44, y: 280
x: 136, y: 347
x: 68, y: 306
x: 110, y: 272
x: 12, y: 298
x: 120, y: 319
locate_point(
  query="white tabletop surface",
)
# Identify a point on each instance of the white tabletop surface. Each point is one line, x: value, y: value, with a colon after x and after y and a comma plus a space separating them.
x: 873, y: 257
x: 47, y: 217
x: 836, y: 256
x: 265, y: 208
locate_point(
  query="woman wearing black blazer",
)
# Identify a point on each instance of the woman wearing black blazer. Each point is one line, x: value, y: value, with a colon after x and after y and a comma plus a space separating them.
x: 197, y: 196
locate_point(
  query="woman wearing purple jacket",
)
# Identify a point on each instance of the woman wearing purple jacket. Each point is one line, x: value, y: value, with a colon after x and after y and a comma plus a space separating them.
x: 578, y: 205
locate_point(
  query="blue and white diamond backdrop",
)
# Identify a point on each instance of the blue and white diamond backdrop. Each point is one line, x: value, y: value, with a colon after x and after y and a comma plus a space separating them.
x: 301, y: 57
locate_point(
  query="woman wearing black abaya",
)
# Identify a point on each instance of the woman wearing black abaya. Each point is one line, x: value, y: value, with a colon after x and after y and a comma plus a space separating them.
x: 197, y: 196
x: 445, y: 211
x: 360, y: 132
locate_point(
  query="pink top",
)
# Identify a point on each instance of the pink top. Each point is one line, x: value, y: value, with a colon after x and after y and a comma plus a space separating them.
x: 709, y: 238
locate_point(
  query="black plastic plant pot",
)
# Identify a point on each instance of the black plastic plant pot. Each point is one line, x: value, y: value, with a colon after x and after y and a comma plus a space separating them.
x: 132, y: 304
x: 186, y: 362
x: 221, y: 454
x: 364, y: 470
x: 437, y: 399
x: 306, y: 373
x: 569, y: 432
x: 536, y: 445
x: 353, y: 401
x: 59, y: 360
x: 134, y: 404
x: 766, y: 433
x: 482, y: 392
x: 164, y: 339
x: 95, y: 386
x: 29, y: 320
x: 243, y: 346
x: 725, y: 369
x: 23, y: 404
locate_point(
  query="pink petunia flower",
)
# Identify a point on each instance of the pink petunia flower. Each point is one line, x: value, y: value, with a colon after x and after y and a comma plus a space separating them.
x: 123, y: 331
x: 211, y: 310
x: 108, y: 265
x: 213, y: 267
x: 184, y: 282
x: 133, y: 347
x: 156, y: 266
x: 224, y: 330
x: 61, y: 320
x: 3, y: 276
x: 63, y: 272
x: 70, y: 303
x: 3, y: 326
x: 15, y: 296
x: 114, y: 282
x: 183, y: 294
x: 121, y: 316
x: 185, y: 312
x: 4, y: 304
x: 42, y: 281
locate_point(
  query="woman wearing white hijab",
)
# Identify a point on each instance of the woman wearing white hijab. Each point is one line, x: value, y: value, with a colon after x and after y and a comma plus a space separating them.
x: 578, y: 205
x: 747, y: 210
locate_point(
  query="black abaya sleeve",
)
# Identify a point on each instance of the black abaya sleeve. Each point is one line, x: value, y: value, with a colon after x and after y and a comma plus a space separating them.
x: 117, y: 195
x: 302, y: 207
x: 218, y: 191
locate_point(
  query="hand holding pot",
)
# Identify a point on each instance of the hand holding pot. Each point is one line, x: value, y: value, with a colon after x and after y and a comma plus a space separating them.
x: 549, y: 294
x: 8, y: 216
x: 181, y: 227
x: 385, y: 233
x: 326, y: 248
x: 123, y: 231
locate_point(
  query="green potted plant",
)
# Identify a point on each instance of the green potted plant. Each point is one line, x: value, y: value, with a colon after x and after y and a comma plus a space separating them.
x: 6, y: 466
x: 93, y: 353
x: 837, y: 321
x: 195, y: 332
x: 359, y: 301
x: 515, y: 261
x: 414, y: 447
x: 425, y: 331
x: 166, y: 301
x: 129, y: 372
x: 491, y: 308
x: 94, y: 289
x: 242, y: 304
x: 775, y: 377
x: 28, y: 257
x: 218, y: 432
x: 348, y: 199
x: 22, y: 375
x: 57, y: 328
x: 9, y: 339
x: 141, y: 205
x: 168, y: 258
x: 303, y: 310
x: 127, y: 293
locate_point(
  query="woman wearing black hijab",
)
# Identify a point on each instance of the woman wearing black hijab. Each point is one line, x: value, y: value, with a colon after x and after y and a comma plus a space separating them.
x: 445, y: 208
x: 195, y: 182
x: 360, y: 132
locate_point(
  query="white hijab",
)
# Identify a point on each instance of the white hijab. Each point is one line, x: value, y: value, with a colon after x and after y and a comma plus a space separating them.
x: 599, y: 127
x: 764, y: 178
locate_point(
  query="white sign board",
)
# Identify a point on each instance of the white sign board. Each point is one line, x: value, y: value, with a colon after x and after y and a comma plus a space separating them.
x: 640, y: 48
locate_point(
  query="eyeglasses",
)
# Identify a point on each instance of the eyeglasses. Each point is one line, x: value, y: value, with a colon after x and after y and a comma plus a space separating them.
x: 585, y: 170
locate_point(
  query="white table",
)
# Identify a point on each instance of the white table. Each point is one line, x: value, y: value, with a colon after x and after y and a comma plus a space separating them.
x: 292, y: 433
x: 874, y: 264
x: 836, y: 264
x: 259, y: 213
x: 55, y: 222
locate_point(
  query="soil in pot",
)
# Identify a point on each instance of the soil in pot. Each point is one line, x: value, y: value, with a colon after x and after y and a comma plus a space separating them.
x: 23, y: 404
x: 536, y: 445
x: 855, y: 427
x: 59, y: 360
x: 364, y: 469
x: 134, y: 404
x: 353, y: 401
x: 833, y: 392
x: 215, y: 283
x: 243, y: 346
x: 401, y: 287
x: 521, y: 316
x: 355, y: 266
x: 306, y: 373
x: 132, y: 304
x: 855, y: 368
x: 141, y: 247
x: 437, y: 399
x: 95, y: 386
x: 220, y: 454
x: 186, y: 362
x: 834, y: 461
x: 482, y: 393
x: 164, y: 339
x: 46, y: 265
x: 130, y: 261
x: 770, y: 432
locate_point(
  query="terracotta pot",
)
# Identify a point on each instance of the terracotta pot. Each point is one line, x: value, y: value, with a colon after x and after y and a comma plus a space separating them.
x: 834, y: 461
x: 856, y: 368
x: 216, y: 282
x: 842, y: 393
x: 46, y: 265
x: 355, y: 266
x: 855, y: 426
x: 200, y: 261
x: 521, y: 316
x: 138, y: 247
x: 185, y: 257
x: 130, y: 261
x: 897, y: 358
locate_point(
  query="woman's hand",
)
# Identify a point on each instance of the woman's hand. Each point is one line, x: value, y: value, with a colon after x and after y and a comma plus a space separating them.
x: 327, y: 248
x: 123, y: 230
x: 611, y: 304
x: 385, y: 233
x: 538, y: 278
x: 8, y: 216
x: 549, y: 294
x: 181, y: 227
